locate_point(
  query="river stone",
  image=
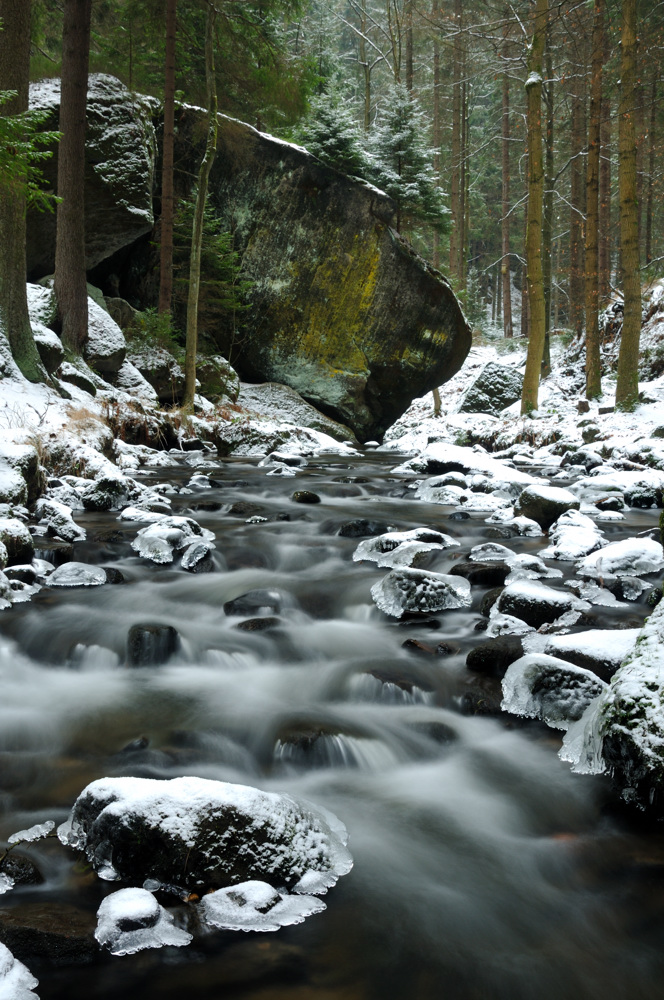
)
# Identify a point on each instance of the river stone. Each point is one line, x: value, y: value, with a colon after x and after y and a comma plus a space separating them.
x: 76, y: 574
x: 202, y: 834
x: 119, y: 171
x: 494, y: 656
x: 280, y: 402
x: 534, y: 603
x: 255, y: 602
x: 626, y: 558
x: 599, y: 650
x: 545, y: 504
x: 305, y: 496
x: 496, y: 387
x: 362, y: 527
x: 417, y: 591
x: 483, y: 574
x: 49, y: 933
x: 17, y: 540
x: 151, y: 645
x: 544, y: 687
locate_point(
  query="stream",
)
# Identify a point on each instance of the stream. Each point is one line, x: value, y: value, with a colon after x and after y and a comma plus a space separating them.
x: 483, y: 867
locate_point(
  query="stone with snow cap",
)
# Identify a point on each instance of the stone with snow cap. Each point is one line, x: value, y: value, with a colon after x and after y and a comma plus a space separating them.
x: 256, y: 906
x: 17, y: 540
x: 201, y: 834
x: 545, y: 504
x: 599, y: 650
x: 417, y: 591
x: 160, y: 540
x: 403, y: 548
x: 544, y: 687
x: 131, y: 920
x: 534, y: 603
x: 58, y: 520
x: 572, y: 536
x: 77, y: 574
x: 16, y: 981
x: 626, y: 558
x: 439, y: 458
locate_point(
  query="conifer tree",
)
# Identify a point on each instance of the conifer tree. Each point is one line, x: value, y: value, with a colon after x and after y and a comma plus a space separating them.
x: 331, y: 133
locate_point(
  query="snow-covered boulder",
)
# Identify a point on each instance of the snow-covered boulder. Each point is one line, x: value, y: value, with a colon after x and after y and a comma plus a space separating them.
x: 161, y: 370
x: 256, y: 906
x: 544, y: 687
x: 24, y: 460
x: 13, y: 488
x: 440, y: 458
x: 534, y: 603
x: 403, y: 548
x: 131, y: 920
x: 16, y: 981
x: 106, y: 347
x: 129, y: 379
x: 49, y: 345
x: 17, y: 540
x: 545, y: 504
x: 160, y: 540
x: 77, y: 574
x: 599, y: 650
x: 280, y: 402
x: 417, y: 591
x: 572, y: 536
x: 58, y: 520
x: 201, y: 834
x: 631, y: 557
x: 496, y: 387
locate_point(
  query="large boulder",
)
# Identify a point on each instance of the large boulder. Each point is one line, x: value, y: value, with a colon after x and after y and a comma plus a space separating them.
x: 198, y: 833
x: 120, y: 161
x: 283, y: 403
x: 496, y: 387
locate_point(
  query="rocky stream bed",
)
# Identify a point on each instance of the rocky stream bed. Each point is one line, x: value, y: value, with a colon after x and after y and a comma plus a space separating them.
x: 336, y: 631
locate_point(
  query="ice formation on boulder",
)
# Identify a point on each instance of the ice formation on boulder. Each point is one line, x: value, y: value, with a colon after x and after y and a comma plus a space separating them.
x: 76, y: 574
x: 16, y: 982
x: 573, y: 536
x: 629, y: 557
x: 543, y: 687
x: 161, y: 539
x: 256, y: 906
x: 131, y: 919
x: 402, y: 548
x: 417, y: 591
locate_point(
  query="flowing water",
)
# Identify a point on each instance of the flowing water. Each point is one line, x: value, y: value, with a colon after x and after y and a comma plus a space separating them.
x: 483, y: 867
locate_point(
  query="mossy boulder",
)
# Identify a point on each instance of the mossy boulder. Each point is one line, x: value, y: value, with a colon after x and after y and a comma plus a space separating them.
x: 496, y: 387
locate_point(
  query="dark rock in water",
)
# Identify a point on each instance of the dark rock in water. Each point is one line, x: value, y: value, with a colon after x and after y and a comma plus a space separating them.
x: 483, y: 574
x: 119, y: 172
x: 21, y: 869
x: 140, y: 743
x: 418, y: 647
x: 478, y: 701
x: 489, y: 600
x: 494, y: 656
x: 610, y: 503
x: 255, y: 602
x: 305, y: 496
x: 107, y: 492
x: 49, y: 934
x: 459, y: 515
x: 447, y: 649
x: 114, y: 575
x: 362, y: 527
x: 208, y: 505
x: 496, y: 387
x: 151, y: 645
x: 244, y: 508
x: 192, y: 444
x: 534, y: 603
x: 545, y: 504
x: 201, y: 834
x: 258, y: 624
x: 26, y: 574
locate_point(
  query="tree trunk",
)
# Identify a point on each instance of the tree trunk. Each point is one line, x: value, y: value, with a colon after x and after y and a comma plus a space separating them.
x: 577, y: 200
x: 15, y: 75
x: 456, y: 232
x: 547, y: 222
x: 167, y: 200
x: 534, y: 223
x: 201, y: 197
x: 525, y: 324
x: 651, y: 160
x: 408, y: 12
x: 505, y: 225
x: 627, y: 387
x: 593, y: 373
x: 70, y: 285
x: 436, y: 125
x: 604, y: 256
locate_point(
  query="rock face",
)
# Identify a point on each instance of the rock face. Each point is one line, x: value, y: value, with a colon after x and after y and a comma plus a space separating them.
x: 120, y: 159
x: 496, y: 387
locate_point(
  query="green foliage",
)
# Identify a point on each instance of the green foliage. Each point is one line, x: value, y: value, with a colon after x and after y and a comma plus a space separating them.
x: 154, y: 329
x: 330, y: 131
x: 402, y: 163
x: 223, y: 289
x: 22, y: 147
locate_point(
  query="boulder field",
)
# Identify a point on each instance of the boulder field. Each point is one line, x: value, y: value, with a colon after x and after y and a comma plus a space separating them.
x: 342, y: 309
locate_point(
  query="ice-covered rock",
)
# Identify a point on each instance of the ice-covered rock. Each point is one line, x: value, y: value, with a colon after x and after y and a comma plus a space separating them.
x: 417, y: 591
x: 544, y: 687
x: 6, y: 883
x: 160, y: 540
x: 77, y: 574
x: 17, y: 540
x: 256, y: 906
x: 58, y: 520
x: 629, y: 557
x: 544, y: 504
x: 198, y: 833
x: 403, y: 548
x: 131, y: 920
x: 16, y: 981
x: 599, y: 650
x: 572, y: 536
x: 441, y: 457
x: 535, y: 603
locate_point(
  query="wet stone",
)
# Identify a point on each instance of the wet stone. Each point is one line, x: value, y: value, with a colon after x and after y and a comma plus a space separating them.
x: 22, y: 870
x: 483, y: 574
x: 305, y: 496
x: 258, y: 624
x: 151, y: 645
x: 254, y: 602
x: 114, y: 575
x: 493, y: 657
x: 244, y: 508
x: 54, y: 934
x: 362, y: 527
x: 418, y: 647
x: 489, y: 600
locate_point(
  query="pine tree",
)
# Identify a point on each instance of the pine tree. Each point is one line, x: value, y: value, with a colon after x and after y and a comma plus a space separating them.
x: 331, y: 133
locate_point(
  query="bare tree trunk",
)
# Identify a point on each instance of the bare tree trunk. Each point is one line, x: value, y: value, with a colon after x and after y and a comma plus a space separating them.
x: 408, y: 15
x: 651, y: 159
x: 465, y: 183
x: 167, y: 200
x: 547, y: 222
x: 577, y: 199
x: 505, y: 264
x: 604, y: 256
x: 15, y: 75
x: 593, y: 372
x: 436, y: 125
x: 535, y: 191
x: 456, y: 233
x: 436, y: 402
x: 525, y: 316
x: 70, y: 280
x: 201, y: 197
x: 627, y: 387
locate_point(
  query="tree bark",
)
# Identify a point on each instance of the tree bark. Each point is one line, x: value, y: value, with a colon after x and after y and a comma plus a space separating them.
x: 627, y: 387
x: 436, y: 124
x: 15, y: 75
x: 70, y: 282
x: 593, y: 372
x: 456, y: 233
x: 547, y: 221
x: 651, y: 159
x: 577, y: 200
x: 534, y: 224
x: 604, y: 256
x: 505, y: 225
x: 167, y: 172
x: 201, y: 197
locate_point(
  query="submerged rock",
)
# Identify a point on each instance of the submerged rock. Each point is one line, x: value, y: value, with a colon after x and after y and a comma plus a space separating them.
x: 151, y: 645
x: 197, y: 833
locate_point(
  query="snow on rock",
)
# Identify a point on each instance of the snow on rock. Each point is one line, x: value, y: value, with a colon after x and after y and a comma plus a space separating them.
x: 535, y: 603
x: 417, y: 591
x: 17, y: 540
x: 522, y: 525
x: 572, y: 536
x: 131, y: 920
x: 13, y: 488
x: 544, y: 504
x: 599, y: 650
x: 130, y: 380
x: 160, y: 540
x: 441, y: 457
x: 6, y: 883
x: 402, y: 548
x: 523, y: 566
x: 16, y: 981
x: 76, y: 574
x: 623, y: 731
x: 629, y: 557
x: 256, y: 906
x: 197, y: 833
x: 544, y: 687
x: 58, y: 520
x: 619, y: 483
x: 270, y: 399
